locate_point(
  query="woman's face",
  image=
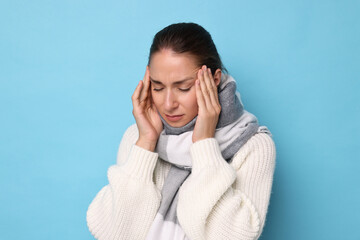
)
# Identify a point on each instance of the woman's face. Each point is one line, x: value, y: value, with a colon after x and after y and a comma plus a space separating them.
x: 172, y: 79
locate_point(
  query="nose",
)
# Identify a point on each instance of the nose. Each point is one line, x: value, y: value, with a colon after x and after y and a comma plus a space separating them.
x: 170, y: 101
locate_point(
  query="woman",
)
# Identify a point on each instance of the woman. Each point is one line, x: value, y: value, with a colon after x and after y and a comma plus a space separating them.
x: 196, y: 165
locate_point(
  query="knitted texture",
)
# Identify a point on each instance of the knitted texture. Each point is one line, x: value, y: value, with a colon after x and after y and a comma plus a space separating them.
x: 217, y: 201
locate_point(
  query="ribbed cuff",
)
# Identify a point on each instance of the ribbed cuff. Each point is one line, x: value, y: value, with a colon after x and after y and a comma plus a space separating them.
x: 141, y: 163
x: 205, y: 153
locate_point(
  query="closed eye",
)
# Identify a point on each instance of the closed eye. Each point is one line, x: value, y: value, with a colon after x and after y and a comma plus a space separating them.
x: 181, y: 89
x: 184, y: 90
x: 157, y: 89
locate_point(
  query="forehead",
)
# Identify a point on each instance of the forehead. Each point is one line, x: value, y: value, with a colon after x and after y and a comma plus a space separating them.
x: 167, y: 66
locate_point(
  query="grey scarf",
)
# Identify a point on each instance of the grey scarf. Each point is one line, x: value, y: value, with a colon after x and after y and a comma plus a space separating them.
x: 235, y: 127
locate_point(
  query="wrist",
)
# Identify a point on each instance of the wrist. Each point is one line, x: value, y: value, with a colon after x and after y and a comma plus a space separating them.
x: 148, y: 145
x: 201, y: 138
x: 196, y: 139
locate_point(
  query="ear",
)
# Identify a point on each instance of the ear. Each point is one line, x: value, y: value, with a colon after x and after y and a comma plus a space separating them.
x: 217, y: 76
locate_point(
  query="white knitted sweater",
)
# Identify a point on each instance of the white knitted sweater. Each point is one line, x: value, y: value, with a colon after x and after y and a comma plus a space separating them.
x: 217, y: 201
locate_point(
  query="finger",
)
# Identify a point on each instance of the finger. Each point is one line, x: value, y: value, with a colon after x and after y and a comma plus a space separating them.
x: 212, y: 82
x: 146, y: 80
x: 136, y: 94
x: 148, y: 99
x: 208, y: 81
x: 214, y: 85
x: 212, y: 89
x: 145, y: 90
x: 205, y: 91
x: 199, y: 95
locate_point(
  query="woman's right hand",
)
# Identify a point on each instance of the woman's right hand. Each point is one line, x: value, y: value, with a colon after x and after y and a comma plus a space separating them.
x: 146, y: 116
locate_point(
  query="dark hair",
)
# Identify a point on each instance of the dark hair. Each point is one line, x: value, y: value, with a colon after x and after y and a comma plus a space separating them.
x: 188, y: 38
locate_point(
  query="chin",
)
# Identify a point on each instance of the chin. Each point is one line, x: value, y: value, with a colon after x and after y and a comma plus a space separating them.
x: 175, y: 124
x: 179, y: 123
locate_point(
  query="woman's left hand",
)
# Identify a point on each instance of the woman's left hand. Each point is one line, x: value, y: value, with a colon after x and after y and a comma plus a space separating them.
x: 209, y: 106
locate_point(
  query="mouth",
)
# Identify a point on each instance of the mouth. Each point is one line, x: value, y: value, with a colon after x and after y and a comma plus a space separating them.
x: 174, y: 118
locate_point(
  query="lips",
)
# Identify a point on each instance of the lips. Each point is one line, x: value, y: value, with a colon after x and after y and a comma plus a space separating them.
x: 174, y: 118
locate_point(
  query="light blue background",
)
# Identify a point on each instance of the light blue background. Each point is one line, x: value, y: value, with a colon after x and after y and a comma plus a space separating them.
x: 68, y: 70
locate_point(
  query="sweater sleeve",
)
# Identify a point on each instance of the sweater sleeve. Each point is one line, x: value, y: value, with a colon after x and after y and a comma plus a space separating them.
x: 125, y: 208
x: 227, y: 201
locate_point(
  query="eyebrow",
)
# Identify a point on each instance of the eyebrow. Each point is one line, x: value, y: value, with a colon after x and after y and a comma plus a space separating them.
x: 175, y: 83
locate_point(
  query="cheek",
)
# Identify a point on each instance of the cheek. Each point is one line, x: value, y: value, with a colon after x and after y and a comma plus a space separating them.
x: 190, y: 102
x: 157, y: 99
